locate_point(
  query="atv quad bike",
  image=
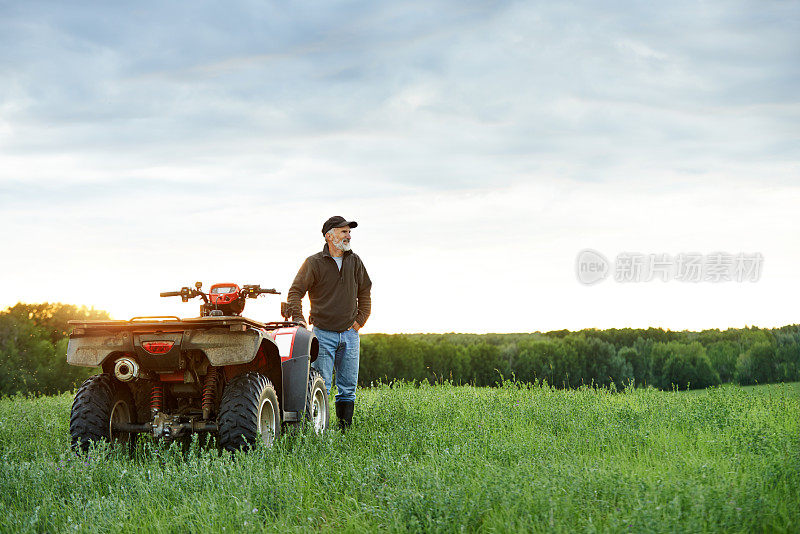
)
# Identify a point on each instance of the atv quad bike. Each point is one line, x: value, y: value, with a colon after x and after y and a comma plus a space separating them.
x: 219, y: 373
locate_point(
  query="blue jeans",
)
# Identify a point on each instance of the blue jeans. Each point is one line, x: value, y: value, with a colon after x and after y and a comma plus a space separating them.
x: 339, y: 351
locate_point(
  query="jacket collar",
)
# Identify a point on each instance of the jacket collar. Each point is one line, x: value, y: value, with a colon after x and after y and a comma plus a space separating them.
x: 326, y: 252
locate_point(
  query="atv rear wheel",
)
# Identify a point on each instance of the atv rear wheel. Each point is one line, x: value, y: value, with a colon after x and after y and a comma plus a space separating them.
x: 317, y: 403
x: 99, y: 403
x: 248, y: 412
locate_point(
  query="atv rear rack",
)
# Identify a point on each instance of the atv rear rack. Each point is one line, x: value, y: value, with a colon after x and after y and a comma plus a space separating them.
x: 174, y: 322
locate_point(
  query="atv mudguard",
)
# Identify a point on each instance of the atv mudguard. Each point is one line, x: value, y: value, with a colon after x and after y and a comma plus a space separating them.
x: 224, y: 340
x: 295, y: 368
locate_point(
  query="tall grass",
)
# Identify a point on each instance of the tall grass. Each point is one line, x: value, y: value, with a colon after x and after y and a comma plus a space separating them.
x: 438, y: 459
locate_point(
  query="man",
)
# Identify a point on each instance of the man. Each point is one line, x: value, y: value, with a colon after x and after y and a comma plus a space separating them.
x: 339, y: 290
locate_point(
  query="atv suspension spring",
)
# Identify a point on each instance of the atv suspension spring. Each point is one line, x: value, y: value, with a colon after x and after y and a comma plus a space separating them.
x: 209, y: 391
x: 156, y: 397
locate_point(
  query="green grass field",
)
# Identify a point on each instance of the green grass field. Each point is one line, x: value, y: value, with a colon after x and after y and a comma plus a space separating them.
x: 435, y: 459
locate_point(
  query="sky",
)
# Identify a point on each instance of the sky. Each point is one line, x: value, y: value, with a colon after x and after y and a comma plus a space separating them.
x: 481, y: 146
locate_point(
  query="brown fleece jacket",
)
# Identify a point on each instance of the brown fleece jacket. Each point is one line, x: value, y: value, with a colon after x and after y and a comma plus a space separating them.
x: 338, y: 298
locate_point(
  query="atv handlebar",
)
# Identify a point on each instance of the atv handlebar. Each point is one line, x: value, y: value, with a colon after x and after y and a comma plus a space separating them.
x: 230, y: 301
x: 253, y: 291
x: 185, y: 294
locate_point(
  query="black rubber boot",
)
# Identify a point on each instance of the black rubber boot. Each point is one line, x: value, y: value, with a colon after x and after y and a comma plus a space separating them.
x: 344, y: 413
x: 339, y: 416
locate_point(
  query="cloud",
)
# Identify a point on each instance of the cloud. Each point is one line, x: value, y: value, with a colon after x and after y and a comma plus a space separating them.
x: 425, y: 94
x: 509, y: 130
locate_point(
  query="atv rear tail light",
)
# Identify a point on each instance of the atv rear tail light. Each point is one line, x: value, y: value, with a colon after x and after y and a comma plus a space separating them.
x: 157, y: 347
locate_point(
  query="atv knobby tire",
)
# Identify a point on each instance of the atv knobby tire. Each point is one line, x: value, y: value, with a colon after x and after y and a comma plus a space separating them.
x: 248, y: 412
x: 317, y: 415
x: 100, y: 402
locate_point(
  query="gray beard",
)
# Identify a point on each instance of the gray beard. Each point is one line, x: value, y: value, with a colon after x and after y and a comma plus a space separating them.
x: 341, y: 245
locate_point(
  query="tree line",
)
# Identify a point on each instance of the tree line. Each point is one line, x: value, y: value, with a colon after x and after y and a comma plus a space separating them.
x: 33, y: 346
x: 662, y: 358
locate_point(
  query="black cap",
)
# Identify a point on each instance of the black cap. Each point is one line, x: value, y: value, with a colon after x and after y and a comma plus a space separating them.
x: 337, y: 222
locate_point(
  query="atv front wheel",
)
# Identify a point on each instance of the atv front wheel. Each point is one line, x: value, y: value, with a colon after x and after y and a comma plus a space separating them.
x: 248, y: 412
x: 99, y: 403
x: 317, y: 403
